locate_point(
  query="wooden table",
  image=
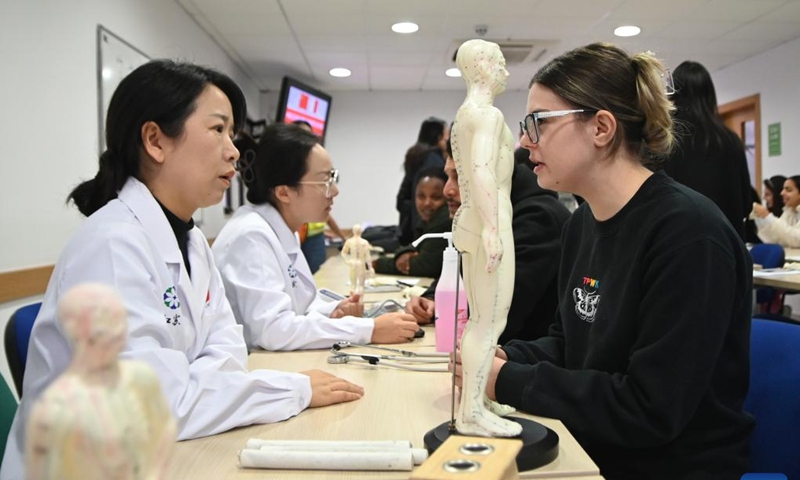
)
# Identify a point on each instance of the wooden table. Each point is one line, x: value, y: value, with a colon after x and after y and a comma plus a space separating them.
x: 397, y: 405
x: 792, y: 254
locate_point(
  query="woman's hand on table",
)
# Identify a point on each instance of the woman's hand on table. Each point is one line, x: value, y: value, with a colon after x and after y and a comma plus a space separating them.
x: 351, y: 305
x: 394, y: 327
x: 498, y: 361
x: 421, y: 308
x: 327, y: 389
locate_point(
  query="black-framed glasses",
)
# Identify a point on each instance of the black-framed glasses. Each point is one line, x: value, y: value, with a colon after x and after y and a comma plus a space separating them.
x: 332, y: 180
x: 530, y: 124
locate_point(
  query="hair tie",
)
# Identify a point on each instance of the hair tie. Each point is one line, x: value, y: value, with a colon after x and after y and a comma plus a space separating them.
x: 245, y: 166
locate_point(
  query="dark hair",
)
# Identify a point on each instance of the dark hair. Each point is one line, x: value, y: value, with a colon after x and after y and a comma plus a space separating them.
x: 433, y: 172
x: 281, y: 159
x: 302, y: 123
x: 695, y: 98
x: 431, y: 131
x: 449, y: 147
x: 415, y: 156
x: 161, y: 91
x: 604, y: 77
x: 775, y: 185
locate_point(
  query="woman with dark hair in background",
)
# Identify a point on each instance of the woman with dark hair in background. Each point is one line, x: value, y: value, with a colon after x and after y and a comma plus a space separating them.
x: 169, y: 137
x: 783, y: 230
x: 772, y: 194
x: 290, y: 181
x: 429, y: 151
x: 708, y: 158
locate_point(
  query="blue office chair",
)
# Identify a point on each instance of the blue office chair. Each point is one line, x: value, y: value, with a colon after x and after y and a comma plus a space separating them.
x: 8, y: 407
x: 768, y: 255
x: 774, y: 397
x: 18, y: 333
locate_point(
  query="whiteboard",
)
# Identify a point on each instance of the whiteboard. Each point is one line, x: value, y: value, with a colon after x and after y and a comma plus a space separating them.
x: 116, y: 58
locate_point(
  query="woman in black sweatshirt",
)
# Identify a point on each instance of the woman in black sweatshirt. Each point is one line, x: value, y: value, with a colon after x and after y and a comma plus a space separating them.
x: 647, y: 362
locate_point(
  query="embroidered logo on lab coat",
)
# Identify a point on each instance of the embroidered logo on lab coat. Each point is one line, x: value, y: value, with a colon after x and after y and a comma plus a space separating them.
x: 587, y: 299
x: 292, y: 274
x: 171, y: 298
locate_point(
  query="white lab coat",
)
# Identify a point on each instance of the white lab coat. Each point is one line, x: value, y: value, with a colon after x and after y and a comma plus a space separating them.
x: 271, y: 289
x: 191, y: 340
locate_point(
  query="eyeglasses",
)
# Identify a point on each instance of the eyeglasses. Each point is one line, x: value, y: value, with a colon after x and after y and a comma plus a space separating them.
x: 332, y: 180
x: 530, y: 124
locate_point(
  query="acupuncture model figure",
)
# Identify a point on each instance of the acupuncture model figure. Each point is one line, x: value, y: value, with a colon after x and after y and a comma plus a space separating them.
x: 103, y: 418
x: 356, y: 254
x: 483, y: 150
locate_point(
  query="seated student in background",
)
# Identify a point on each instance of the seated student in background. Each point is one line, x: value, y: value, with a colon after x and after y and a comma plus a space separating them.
x: 290, y: 181
x: 783, y: 230
x: 537, y: 221
x: 169, y: 133
x: 772, y: 194
x: 647, y: 363
x: 426, y: 259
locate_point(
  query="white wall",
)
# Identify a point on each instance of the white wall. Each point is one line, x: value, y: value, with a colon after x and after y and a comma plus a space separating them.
x: 48, y: 128
x: 773, y: 74
x: 368, y: 138
x: 49, y: 95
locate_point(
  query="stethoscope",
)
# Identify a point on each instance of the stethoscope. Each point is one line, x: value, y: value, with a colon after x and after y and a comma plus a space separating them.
x: 340, y: 357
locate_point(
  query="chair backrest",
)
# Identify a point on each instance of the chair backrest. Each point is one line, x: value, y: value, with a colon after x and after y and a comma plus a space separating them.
x: 17, y: 336
x: 8, y: 407
x: 768, y: 255
x: 774, y: 397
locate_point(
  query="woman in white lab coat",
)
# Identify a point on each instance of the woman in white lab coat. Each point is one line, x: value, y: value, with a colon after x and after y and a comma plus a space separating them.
x: 169, y: 134
x: 290, y: 181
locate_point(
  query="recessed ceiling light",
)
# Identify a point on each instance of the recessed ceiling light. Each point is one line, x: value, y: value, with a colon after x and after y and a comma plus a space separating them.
x: 340, y: 72
x: 453, y: 72
x: 627, y: 31
x: 405, y: 27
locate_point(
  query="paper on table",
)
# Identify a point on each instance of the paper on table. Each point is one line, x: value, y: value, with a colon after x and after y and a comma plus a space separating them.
x: 774, y: 272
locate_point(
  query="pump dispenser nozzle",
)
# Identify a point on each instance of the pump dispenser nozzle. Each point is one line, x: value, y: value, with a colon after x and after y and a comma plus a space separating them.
x: 446, y: 235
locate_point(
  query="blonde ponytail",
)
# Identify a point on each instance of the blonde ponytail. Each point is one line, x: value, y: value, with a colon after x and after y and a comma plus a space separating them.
x: 656, y: 107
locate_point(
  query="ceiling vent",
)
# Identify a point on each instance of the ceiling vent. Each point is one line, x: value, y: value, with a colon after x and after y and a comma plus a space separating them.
x: 516, y: 52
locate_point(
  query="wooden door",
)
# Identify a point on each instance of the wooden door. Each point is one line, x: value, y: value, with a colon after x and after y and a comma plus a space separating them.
x: 743, y: 116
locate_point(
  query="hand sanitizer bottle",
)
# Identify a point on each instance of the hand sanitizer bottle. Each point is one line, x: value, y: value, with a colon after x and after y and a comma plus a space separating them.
x: 446, y: 317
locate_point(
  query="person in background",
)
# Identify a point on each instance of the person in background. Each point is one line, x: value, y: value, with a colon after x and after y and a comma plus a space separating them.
x: 426, y: 259
x: 783, y: 230
x: 537, y: 221
x: 709, y: 158
x: 312, y: 235
x: 650, y: 384
x: 427, y: 152
x: 169, y: 136
x: 772, y: 194
x: 290, y: 181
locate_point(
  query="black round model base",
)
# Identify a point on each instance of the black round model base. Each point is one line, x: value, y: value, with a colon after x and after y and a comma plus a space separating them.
x: 539, y: 443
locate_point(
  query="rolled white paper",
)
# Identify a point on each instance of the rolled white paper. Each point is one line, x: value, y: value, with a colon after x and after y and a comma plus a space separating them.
x: 418, y: 455
x: 256, y: 443
x: 397, y: 460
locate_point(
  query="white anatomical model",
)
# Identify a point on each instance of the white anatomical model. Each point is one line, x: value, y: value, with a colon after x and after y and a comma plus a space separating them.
x: 355, y: 252
x: 103, y: 418
x: 483, y: 150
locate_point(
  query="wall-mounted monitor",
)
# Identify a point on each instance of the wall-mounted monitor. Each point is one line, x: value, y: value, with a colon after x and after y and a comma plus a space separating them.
x: 301, y: 102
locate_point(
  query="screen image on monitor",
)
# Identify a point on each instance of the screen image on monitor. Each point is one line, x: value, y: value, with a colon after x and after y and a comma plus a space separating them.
x: 301, y: 102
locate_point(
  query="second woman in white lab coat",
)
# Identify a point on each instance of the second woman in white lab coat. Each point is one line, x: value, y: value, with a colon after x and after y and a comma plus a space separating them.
x: 170, y: 151
x: 290, y: 181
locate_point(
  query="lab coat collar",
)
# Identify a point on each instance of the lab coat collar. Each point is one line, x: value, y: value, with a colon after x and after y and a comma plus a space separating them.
x: 142, y: 203
x: 289, y: 241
